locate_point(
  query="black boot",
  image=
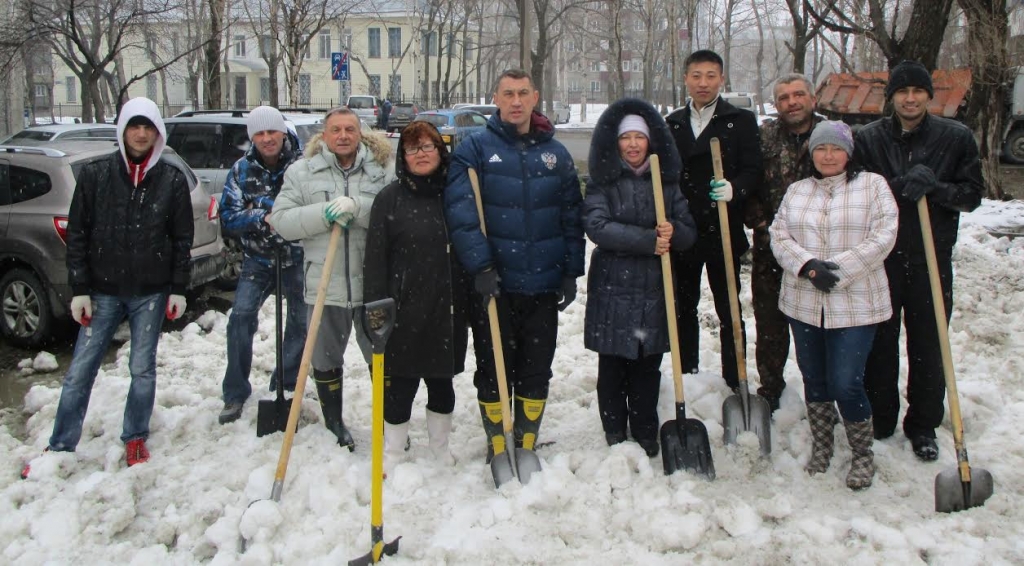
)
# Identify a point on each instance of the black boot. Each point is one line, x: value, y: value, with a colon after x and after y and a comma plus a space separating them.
x: 526, y: 426
x: 328, y: 388
x: 490, y: 413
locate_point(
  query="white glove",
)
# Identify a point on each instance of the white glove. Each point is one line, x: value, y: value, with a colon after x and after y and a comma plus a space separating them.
x: 721, y: 190
x: 341, y: 210
x: 81, y: 309
x: 175, y: 307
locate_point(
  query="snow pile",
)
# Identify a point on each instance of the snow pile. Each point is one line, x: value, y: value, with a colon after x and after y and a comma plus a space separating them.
x: 207, y: 486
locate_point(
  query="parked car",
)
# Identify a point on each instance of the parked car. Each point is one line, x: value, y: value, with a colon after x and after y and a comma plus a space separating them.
x: 487, y: 110
x: 560, y: 113
x: 367, y: 107
x: 401, y: 114
x: 39, y: 135
x: 454, y: 125
x: 36, y: 187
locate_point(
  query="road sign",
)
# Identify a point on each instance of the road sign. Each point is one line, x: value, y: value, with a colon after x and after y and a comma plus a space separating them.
x: 339, y: 66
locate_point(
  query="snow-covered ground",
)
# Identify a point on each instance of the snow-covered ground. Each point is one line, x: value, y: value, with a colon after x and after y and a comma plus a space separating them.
x: 591, y: 505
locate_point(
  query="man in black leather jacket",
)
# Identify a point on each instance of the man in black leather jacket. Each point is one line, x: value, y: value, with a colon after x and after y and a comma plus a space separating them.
x: 919, y: 154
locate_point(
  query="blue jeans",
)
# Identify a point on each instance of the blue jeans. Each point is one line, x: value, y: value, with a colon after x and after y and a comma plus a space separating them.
x: 255, y: 283
x: 145, y: 316
x: 832, y: 361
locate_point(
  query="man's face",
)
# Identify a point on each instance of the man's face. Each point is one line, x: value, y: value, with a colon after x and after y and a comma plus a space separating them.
x: 342, y: 134
x: 139, y: 139
x: 269, y: 143
x: 795, y: 103
x: 910, y: 103
x: 703, y: 81
x: 516, y: 99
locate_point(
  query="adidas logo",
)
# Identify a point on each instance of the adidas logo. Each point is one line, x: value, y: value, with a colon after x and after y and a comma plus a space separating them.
x: 494, y: 159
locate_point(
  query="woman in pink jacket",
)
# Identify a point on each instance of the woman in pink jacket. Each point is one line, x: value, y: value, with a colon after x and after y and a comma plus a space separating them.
x: 831, y: 235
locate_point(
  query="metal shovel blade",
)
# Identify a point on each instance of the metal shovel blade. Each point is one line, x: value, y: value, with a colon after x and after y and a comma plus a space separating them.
x: 502, y: 469
x: 527, y: 463
x: 381, y: 550
x: 685, y: 446
x: 952, y: 494
x: 271, y: 416
x: 759, y: 420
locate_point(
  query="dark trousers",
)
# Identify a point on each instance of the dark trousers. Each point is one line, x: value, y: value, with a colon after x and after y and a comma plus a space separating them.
x: 772, y: 345
x: 399, y: 393
x: 627, y: 391
x: 910, y: 291
x: 529, y: 328
x: 688, y: 267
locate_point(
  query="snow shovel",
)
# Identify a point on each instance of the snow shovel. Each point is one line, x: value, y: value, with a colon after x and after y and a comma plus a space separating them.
x: 307, y: 357
x: 961, y: 487
x: 684, y: 442
x: 378, y: 321
x: 741, y: 412
x: 271, y: 414
x: 512, y: 462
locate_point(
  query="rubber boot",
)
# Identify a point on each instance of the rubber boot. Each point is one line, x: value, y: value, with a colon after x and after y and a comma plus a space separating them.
x: 822, y: 418
x: 526, y: 426
x: 862, y: 469
x: 329, y: 388
x: 439, y: 428
x: 490, y: 413
x: 396, y: 436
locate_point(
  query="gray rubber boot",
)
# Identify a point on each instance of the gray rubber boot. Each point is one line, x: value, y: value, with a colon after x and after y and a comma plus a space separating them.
x: 822, y: 418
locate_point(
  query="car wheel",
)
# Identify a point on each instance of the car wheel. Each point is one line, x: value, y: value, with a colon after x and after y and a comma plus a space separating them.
x: 1013, y: 148
x: 26, y: 319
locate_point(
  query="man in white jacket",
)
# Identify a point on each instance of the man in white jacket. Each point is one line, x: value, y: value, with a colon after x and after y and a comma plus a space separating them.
x: 335, y: 183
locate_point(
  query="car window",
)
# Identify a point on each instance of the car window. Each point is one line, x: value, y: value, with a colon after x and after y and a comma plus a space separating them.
x: 106, y: 133
x: 5, y: 189
x: 236, y: 143
x: 31, y: 135
x: 27, y: 184
x: 307, y: 131
x: 361, y: 102
x: 479, y: 120
x: 435, y: 119
x: 464, y: 120
x: 197, y: 144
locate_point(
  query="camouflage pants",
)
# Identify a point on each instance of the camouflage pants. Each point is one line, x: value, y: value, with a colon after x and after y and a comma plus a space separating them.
x: 772, y: 346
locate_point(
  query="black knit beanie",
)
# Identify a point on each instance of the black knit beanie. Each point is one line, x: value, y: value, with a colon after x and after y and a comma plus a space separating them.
x: 909, y: 73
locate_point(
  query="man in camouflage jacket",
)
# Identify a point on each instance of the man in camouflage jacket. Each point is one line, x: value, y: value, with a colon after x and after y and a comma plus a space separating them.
x: 786, y: 160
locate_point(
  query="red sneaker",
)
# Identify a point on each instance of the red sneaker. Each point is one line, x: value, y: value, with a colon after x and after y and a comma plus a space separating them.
x: 135, y: 452
x: 28, y: 466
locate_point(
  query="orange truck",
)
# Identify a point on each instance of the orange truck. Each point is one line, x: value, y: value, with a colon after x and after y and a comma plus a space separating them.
x: 859, y: 98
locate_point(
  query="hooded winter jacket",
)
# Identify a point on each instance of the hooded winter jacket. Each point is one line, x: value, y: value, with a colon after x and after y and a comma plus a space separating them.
x: 408, y: 258
x: 626, y: 292
x: 298, y: 213
x: 531, y: 201
x: 248, y: 197
x: 130, y: 225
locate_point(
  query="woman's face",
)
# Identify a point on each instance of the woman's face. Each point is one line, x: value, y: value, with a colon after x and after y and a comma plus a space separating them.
x: 829, y: 159
x: 633, y: 148
x: 422, y: 158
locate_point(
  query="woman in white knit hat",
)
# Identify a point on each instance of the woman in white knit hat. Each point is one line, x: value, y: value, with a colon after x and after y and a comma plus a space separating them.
x: 831, y: 236
x: 626, y: 322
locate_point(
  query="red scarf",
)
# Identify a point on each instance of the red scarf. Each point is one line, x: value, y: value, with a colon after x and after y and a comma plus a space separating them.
x: 136, y: 171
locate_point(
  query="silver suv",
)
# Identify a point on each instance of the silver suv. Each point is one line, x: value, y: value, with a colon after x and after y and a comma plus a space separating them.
x: 367, y: 107
x: 36, y: 186
x: 43, y: 135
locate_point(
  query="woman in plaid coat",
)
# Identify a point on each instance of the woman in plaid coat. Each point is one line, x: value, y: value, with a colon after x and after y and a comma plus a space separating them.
x: 831, y: 236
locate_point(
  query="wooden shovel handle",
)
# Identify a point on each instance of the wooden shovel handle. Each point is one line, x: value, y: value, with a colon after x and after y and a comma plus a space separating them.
x: 730, y: 268
x: 666, y: 278
x: 956, y: 420
x: 492, y: 318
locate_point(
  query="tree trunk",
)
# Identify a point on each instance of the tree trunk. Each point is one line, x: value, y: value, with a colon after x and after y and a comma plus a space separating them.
x: 212, y: 76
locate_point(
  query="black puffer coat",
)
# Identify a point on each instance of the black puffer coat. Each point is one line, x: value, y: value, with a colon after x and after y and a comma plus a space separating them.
x: 129, y: 241
x: 409, y: 258
x: 626, y: 294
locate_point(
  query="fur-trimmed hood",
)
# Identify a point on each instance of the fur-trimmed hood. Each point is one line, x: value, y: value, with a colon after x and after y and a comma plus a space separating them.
x: 376, y: 143
x: 604, y: 161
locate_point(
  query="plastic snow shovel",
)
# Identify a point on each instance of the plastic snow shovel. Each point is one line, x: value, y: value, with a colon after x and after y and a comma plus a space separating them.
x: 378, y: 320
x: 961, y: 487
x: 741, y: 412
x: 684, y: 442
x: 272, y: 414
x: 307, y: 357
x: 511, y: 462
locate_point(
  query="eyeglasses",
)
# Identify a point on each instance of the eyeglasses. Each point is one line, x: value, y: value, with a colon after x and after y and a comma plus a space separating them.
x: 425, y: 148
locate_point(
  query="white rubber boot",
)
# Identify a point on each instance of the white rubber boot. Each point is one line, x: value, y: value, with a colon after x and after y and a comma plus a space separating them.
x: 439, y: 428
x: 395, y: 438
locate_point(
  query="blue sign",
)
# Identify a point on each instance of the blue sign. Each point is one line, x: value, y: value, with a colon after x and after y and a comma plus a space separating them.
x: 339, y: 66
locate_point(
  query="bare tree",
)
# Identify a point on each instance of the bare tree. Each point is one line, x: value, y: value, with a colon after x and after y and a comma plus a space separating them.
x: 217, y: 11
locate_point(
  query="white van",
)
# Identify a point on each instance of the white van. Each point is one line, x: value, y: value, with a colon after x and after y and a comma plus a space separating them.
x: 742, y: 100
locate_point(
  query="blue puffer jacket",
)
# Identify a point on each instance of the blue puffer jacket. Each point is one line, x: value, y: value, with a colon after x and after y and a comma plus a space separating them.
x: 248, y: 197
x: 532, y: 207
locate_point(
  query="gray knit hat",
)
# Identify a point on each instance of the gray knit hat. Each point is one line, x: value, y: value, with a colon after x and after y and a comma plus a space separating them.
x: 263, y: 118
x: 833, y: 132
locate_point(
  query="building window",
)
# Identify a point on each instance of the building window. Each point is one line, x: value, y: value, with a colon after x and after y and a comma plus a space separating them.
x: 570, y: 46
x: 305, y: 89
x: 467, y: 51
x: 636, y: 64
x: 375, y: 85
x: 625, y: 64
x: 429, y: 44
x: 595, y: 86
x: 264, y: 88
x: 395, y: 90
x: 638, y: 25
x: 595, y: 66
x: 175, y: 44
x: 151, y: 87
x: 394, y: 42
x: 574, y: 85
x: 373, y: 40
x: 239, y: 46
x: 449, y: 48
x: 346, y: 39
x: 265, y: 46
x: 325, y: 45
x: 151, y: 46
x: 70, y: 84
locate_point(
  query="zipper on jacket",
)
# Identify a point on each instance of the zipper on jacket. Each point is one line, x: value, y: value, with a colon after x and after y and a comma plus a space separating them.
x: 348, y: 253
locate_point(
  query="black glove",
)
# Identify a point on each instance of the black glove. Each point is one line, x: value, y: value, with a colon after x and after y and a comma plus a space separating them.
x: 821, y: 274
x: 487, y: 284
x: 568, y: 293
x: 917, y: 182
